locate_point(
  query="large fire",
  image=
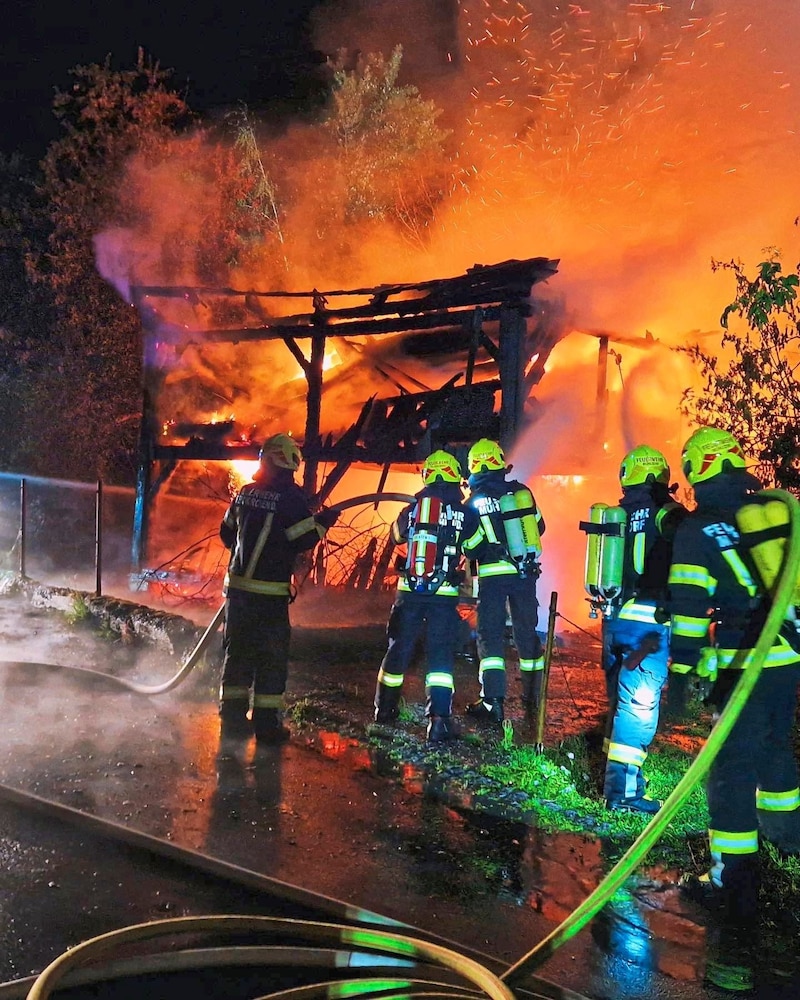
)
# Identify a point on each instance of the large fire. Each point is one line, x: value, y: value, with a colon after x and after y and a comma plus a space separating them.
x: 635, y: 141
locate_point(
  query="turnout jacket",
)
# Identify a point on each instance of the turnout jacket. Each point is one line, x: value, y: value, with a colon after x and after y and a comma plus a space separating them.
x: 653, y: 518
x: 488, y: 543
x: 457, y: 521
x: 715, y: 597
x: 266, y: 526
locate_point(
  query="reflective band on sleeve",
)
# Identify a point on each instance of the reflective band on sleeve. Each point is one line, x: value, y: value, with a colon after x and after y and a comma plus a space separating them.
x: 270, y: 587
x: 778, y: 801
x: 437, y: 678
x: 680, y: 668
x: 530, y: 666
x: 632, y: 611
x: 723, y: 842
x: 689, y: 628
x: 294, y: 531
x: 692, y: 576
x: 390, y: 680
x: 623, y: 754
x: 780, y: 655
x: 267, y: 701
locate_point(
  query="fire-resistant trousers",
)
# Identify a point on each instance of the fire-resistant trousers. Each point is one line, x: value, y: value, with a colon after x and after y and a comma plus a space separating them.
x: 634, y: 698
x: 412, y: 617
x: 754, y: 776
x: 256, y: 648
x: 518, y: 593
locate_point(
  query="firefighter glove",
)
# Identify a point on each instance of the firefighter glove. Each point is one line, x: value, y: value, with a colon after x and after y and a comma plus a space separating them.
x: 707, y: 664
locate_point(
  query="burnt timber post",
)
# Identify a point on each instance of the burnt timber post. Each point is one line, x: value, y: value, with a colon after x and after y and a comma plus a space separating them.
x: 512, y: 367
x: 480, y: 318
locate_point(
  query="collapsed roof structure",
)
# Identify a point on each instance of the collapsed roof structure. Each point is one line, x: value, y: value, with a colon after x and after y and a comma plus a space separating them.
x: 482, y: 339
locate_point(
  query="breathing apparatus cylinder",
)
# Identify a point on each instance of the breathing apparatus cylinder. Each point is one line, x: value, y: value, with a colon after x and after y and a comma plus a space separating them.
x: 423, y: 538
x: 605, y: 551
x: 519, y: 521
x: 764, y: 533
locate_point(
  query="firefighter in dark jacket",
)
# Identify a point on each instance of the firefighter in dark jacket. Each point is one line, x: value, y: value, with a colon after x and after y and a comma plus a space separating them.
x: 636, y: 633
x: 718, y: 610
x: 265, y: 527
x: 433, y: 528
x: 506, y: 581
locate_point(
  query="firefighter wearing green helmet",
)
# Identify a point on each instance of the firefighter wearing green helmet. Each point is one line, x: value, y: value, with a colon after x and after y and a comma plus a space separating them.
x: 635, y: 628
x: 719, y: 605
x: 507, y: 575
x: 266, y: 526
x: 432, y: 529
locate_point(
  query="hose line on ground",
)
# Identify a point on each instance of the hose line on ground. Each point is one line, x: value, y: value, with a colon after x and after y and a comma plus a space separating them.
x: 213, y: 626
x: 784, y: 594
x: 410, y: 952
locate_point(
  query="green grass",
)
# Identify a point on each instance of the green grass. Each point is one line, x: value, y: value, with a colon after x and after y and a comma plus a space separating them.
x: 79, y: 612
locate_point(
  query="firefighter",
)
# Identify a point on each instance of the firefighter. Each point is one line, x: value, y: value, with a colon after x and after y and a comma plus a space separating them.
x: 265, y: 527
x: 506, y: 581
x: 718, y: 610
x: 427, y: 596
x: 636, y: 632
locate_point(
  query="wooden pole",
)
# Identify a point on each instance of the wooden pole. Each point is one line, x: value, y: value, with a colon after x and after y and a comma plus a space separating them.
x: 548, y: 655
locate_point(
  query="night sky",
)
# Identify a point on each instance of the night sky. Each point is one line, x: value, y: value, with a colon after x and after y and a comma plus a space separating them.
x: 220, y: 54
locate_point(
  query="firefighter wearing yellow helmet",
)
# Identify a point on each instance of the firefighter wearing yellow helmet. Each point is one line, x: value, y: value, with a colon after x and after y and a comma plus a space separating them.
x: 752, y: 786
x: 432, y: 529
x: 506, y: 546
x: 635, y: 626
x: 266, y: 526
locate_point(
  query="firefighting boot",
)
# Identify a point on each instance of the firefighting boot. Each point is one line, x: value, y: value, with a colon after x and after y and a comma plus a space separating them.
x: 730, y: 957
x: 531, y: 692
x: 387, y: 705
x: 441, y: 730
x: 487, y: 710
x: 781, y: 829
x: 233, y: 717
x: 269, y: 727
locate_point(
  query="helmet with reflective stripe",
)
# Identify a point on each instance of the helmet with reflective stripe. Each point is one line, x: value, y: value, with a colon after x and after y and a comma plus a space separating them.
x: 708, y: 452
x: 281, y: 451
x: 486, y: 456
x: 441, y: 467
x: 643, y: 465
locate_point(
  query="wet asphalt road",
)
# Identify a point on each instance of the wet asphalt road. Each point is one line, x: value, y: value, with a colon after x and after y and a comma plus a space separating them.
x: 319, y: 812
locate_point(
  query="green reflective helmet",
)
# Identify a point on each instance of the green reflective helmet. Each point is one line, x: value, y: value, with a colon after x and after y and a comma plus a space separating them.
x: 485, y: 456
x: 281, y: 451
x: 643, y: 465
x: 708, y: 452
x: 441, y: 467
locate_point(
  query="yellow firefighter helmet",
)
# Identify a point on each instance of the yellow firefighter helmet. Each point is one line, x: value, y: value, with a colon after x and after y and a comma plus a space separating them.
x: 642, y: 463
x: 281, y: 451
x: 441, y: 467
x: 486, y: 456
x: 708, y: 452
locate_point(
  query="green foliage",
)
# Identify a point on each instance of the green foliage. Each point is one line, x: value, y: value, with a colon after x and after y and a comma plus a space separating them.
x: 93, y: 375
x: 756, y: 394
x: 563, y: 796
x: 79, y: 612
x: 390, y: 148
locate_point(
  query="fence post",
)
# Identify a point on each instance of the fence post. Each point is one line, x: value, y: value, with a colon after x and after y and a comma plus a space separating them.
x: 98, y: 539
x: 22, y: 505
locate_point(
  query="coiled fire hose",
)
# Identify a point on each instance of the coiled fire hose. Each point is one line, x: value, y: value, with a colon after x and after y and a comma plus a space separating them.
x: 213, y: 626
x: 635, y: 854
x: 355, y: 947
